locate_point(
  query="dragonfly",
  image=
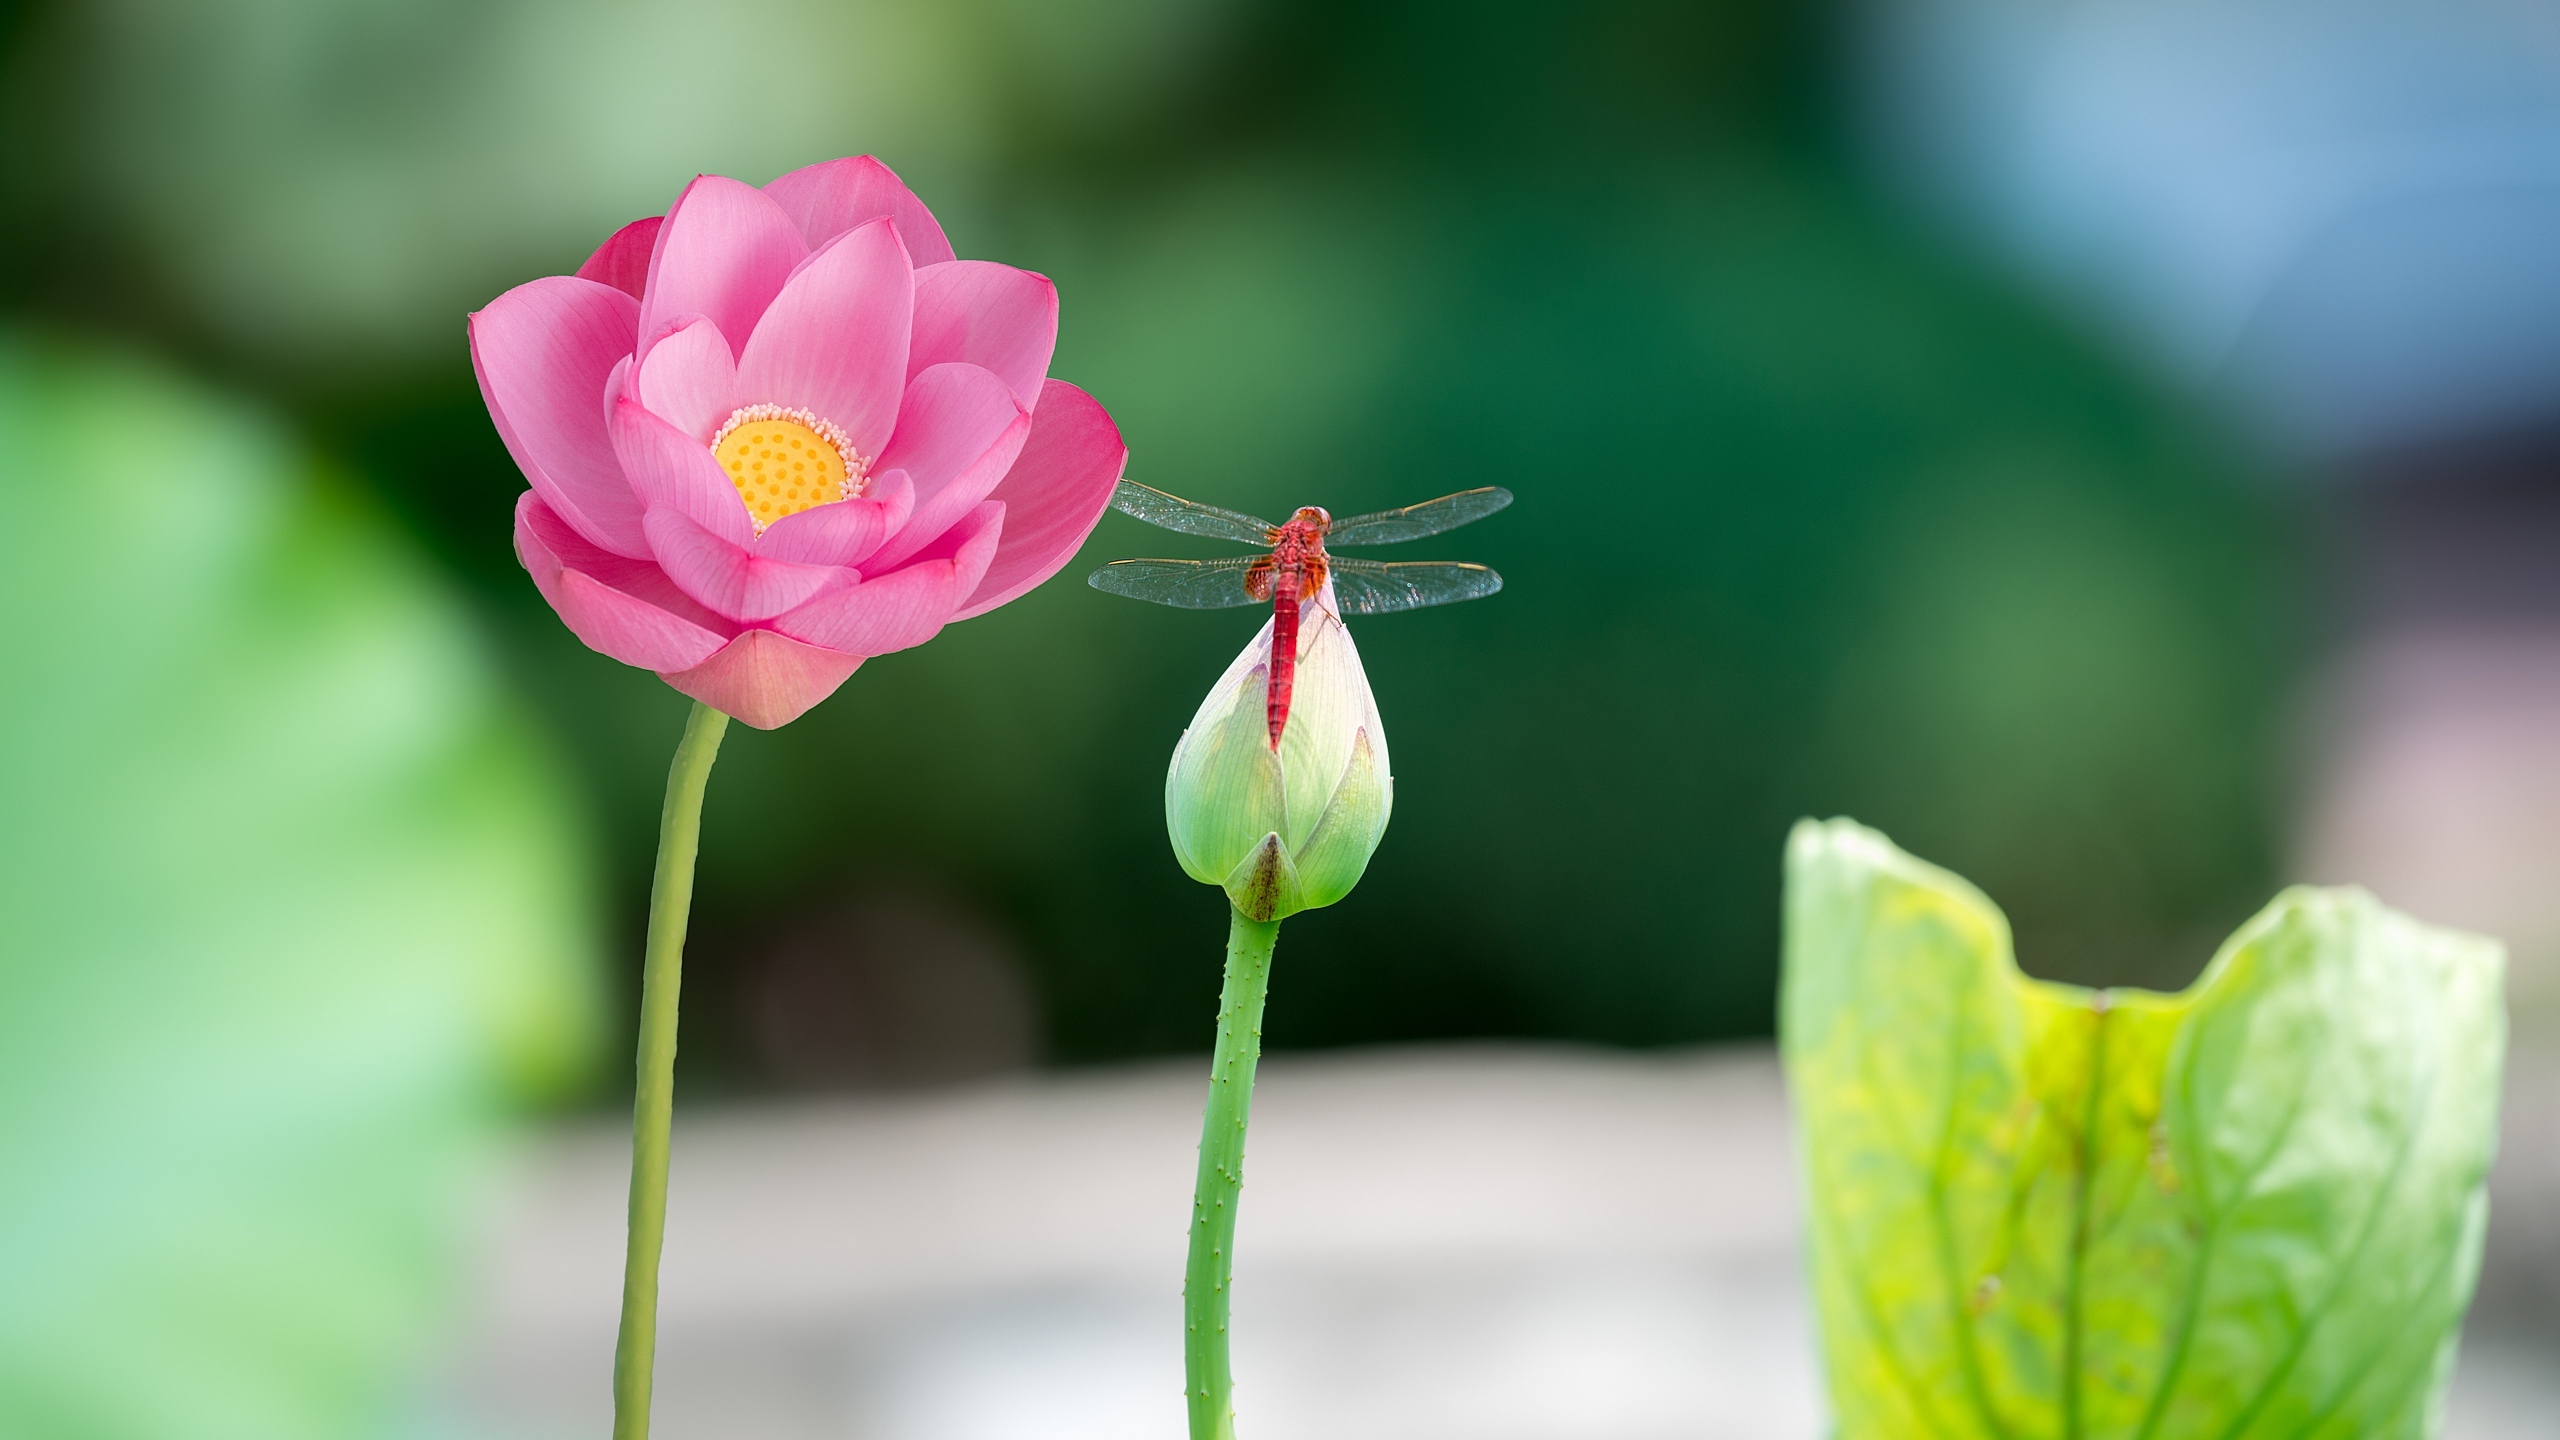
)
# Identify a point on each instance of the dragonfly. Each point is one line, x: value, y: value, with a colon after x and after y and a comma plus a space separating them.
x: 1295, y: 563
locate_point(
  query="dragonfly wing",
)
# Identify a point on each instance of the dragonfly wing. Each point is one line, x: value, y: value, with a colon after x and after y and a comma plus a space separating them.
x: 1183, y: 584
x: 1366, y: 587
x: 1413, y: 522
x: 1189, y: 517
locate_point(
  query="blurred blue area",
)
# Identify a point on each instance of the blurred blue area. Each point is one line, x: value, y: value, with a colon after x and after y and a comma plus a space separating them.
x: 2346, y: 217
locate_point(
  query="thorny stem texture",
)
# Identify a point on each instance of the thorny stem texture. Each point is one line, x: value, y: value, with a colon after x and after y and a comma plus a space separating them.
x: 1207, y: 1380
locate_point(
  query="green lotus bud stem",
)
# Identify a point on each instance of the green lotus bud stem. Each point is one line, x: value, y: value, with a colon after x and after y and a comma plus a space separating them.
x: 1289, y: 827
x: 1281, y: 828
x: 1207, y: 1381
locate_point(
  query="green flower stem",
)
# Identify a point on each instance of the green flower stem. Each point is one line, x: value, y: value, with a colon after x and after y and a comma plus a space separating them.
x: 1207, y: 1378
x: 670, y: 904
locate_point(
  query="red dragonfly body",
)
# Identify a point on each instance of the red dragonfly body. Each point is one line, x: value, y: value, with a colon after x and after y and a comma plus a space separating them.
x: 1294, y: 571
x: 1295, y: 567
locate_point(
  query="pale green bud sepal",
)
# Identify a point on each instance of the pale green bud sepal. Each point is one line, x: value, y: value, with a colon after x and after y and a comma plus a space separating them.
x: 1337, y: 854
x: 1294, y: 830
x: 1270, y: 883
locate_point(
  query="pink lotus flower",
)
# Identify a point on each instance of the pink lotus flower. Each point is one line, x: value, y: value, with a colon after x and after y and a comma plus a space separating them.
x: 781, y: 431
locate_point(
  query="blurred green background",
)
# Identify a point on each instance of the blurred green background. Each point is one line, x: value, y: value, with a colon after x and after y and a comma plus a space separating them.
x: 1815, y: 516
x: 324, y: 842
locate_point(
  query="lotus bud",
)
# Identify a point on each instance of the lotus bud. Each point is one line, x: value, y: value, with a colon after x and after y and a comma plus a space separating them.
x: 1289, y: 827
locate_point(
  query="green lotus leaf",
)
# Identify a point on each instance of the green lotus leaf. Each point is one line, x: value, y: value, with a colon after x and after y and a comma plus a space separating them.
x: 2249, y: 1210
x: 288, y: 905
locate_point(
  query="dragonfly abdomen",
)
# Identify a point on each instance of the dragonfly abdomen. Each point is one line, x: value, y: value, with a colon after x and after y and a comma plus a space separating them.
x: 1284, y: 651
x: 1295, y: 572
x: 1291, y: 585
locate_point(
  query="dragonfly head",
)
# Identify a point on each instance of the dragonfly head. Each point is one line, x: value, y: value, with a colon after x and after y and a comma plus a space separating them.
x: 1315, y: 515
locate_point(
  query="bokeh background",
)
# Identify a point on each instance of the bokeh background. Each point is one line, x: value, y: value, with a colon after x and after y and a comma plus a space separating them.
x: 2107, y: 445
